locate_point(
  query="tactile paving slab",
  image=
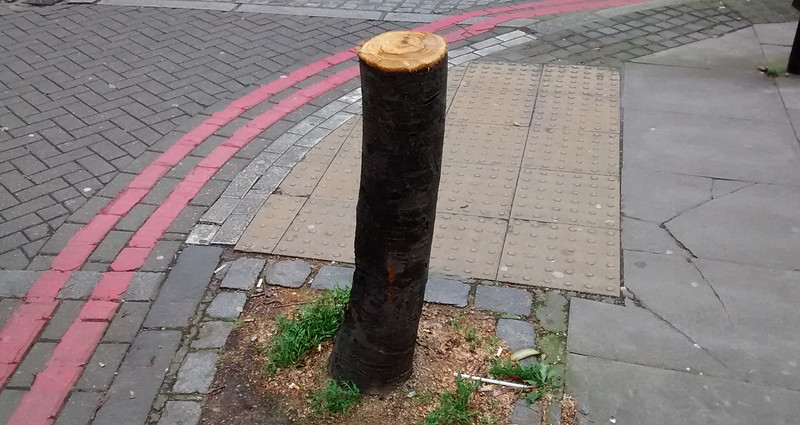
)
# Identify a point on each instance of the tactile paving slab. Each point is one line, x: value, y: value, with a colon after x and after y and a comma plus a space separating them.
x: 484, y: 143
x: 552, y: 170
x: 572, y: 151
x: 467, y: 246
x: 324, y: 229
x: 479, y: 190
x: 501, y: 76
x: 454, y: 77
x: 304, y: 177
x: 567, y: 198
x: 577, y: 79
x: 341, y: 180
x: 561, y: 256
x: 270, y: 223
x: 577, y: 112
x: 496, y: 93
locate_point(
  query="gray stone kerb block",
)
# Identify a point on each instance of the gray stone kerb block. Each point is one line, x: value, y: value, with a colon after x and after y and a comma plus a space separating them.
x: 446, y: 291
x: 288, y: 273
x: 503, y: 300
x: 330, y: 277
x: 516, y: 334
x: 243, y: 273
x: 181, y: 413
x: 197, y: 373
x: 213, y: 334
x: 227, y: 305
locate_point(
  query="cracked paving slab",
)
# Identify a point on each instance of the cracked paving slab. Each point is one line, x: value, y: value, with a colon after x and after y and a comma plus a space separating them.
x: 765, y: 218
x: 647, y: 395
x: 658, y: 196
x: 635, y: 335
x: 735, y: 148
x: 742, y: 315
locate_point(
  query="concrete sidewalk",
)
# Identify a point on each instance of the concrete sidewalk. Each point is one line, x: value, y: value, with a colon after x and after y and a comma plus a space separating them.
x: 711, y: 244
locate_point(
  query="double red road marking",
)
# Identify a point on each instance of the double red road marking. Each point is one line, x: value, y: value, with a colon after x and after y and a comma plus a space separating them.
x: 51, y: 387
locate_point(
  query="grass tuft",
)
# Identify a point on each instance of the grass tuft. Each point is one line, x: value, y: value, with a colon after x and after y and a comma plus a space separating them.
x: 314, y: 324
x: 337, y: 397
x: 538, y: 374
x: 454, y: 408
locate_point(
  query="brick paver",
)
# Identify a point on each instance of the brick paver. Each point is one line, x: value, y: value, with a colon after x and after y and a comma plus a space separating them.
x: 91, y: 94
x: 84, y: 104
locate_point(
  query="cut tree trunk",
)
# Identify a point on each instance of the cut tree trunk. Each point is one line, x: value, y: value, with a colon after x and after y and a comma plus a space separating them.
x: 404, y: 87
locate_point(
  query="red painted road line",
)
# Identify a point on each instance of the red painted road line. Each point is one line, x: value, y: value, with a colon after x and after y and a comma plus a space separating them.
x: 96, y: 311
x: 29, y: 319
x: 79, y: 249
x: 52, y: 386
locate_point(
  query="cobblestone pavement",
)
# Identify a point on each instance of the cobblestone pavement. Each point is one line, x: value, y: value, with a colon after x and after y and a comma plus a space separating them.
x: 99, y: 102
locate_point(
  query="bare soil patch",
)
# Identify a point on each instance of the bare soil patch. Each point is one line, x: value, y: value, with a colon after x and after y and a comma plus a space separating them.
x: 450, y: 340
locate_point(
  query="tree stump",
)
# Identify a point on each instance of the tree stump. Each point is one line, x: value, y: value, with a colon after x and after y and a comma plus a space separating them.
x: 404, y: 87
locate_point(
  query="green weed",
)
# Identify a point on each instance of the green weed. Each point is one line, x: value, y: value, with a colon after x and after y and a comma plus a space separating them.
x: 338, y: 397
x: 314, y: 324
x: 489, y: 420
x: 540, y: 375
x: 454, y: 408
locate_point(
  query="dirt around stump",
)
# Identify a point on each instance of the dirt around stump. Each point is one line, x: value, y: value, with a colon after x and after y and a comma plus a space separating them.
x: 450, y: 340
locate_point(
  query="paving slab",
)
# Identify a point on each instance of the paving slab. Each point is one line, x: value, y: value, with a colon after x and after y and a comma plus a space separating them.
x: 127, y: 322
x: 143, y: 287
x: 656, y: 196
x: 789, y: 89
x: 647, y: 395
x: 79, y: 408
x: 62, y: 319
x: 771, y: 236
x: 675, y: 290
x: 197, y: 372
x: 243, y: 273
x: 181, y: 413
x: 288, y: 273
x: 9, y: 399
x: 270, y: 223
x: 503, y: 300
x: 475, y: 143
x: 102, y: 367
x: 574, y: 258
x: 740, y: 50
x: 7, y: 308
x: 79, y: 285
x: 181, y: 292
x: 644, y: 236
x: 467, y: 246
x: 323, y: 229
x: 131, y: 395
x: 446, y: 291
x: 525, y: 414
x: 567, y: 198
x: 551, y: 312
x: 635, y: 335
x: 330, y: 276
x: 721, y: 187
x: 702, y: 92
x: 721, y: 147
x: 213, y: 334
x: 33, y: 363
x: 516, y: 334
x: 572, y: 151
x: 227, y: 305
x: 15, y: 283
x: 779, y: 34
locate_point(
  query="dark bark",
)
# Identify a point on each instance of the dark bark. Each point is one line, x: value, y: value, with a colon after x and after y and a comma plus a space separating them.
x: 400, y: 168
